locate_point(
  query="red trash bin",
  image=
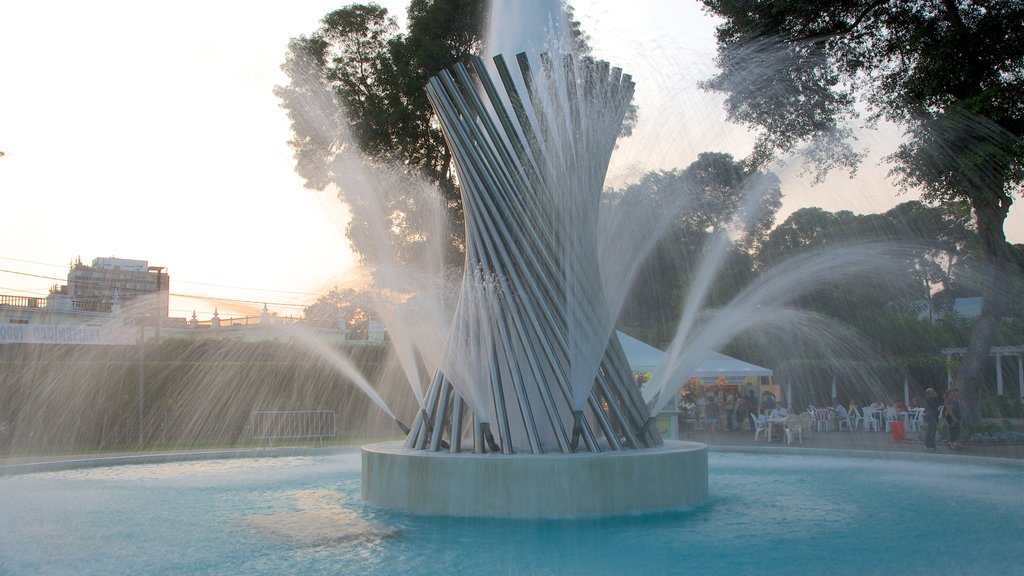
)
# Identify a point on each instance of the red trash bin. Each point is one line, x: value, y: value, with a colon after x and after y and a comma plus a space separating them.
x: 897, y: 430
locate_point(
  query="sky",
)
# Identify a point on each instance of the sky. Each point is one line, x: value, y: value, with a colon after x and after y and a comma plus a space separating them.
x: 141, y: 132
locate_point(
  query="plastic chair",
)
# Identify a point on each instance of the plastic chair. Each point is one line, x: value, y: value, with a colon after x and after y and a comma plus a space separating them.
x: 856, y: 419
x: 823, y: 416
x: 797, y: 423
x: 870, y: 418
x: 843, y: 418
x: 890, y: 416
x: 759, y: 426
x: 916, y: 419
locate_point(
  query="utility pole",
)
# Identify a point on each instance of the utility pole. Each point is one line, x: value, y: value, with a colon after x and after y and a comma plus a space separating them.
x: 142, y: 380
x: 162, y: 313
x: 158, y: 317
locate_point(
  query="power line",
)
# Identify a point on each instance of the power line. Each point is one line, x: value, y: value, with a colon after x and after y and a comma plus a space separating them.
x: 32, y: 262
x: 32, y: 275
x: 22, y: 290
x: 244, y: 288
x: 182, y: 295
x: 291, y: 305
x: 176, y: 280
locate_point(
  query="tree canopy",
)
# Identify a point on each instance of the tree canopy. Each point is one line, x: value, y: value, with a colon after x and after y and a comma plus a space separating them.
x: 341, y: 309
x: 951, y: 73
x: 714, y: 194
x: 358, y: 81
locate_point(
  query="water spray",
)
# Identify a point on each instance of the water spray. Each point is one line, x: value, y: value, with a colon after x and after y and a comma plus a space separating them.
x: 483, y: 440
x: 405, y: 429
x: 577, y: 428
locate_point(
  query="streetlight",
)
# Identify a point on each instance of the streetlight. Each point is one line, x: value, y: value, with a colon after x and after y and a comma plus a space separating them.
x: 142, y: 354
x: 160, y: 314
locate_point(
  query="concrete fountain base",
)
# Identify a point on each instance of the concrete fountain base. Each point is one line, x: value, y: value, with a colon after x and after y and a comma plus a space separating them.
x: 535, y: 485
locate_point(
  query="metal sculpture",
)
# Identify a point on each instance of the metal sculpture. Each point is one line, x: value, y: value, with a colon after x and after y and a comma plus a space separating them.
x: 533, y: 364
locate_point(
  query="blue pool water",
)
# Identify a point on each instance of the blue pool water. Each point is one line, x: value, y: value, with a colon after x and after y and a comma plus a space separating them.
x: 767, y: 514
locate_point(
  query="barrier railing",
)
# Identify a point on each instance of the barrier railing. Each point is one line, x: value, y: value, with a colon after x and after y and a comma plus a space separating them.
x: 271, y: 425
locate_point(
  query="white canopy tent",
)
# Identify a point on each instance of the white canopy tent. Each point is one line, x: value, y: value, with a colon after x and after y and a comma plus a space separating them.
x: 644, y: 358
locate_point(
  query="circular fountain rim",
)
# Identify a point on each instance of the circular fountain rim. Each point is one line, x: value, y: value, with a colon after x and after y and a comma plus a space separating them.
x: 897, y: 455
x: 28, y: 465
x: 552, y: 485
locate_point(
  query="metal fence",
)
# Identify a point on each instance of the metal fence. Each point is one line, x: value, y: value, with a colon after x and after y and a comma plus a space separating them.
x: 271, y: 425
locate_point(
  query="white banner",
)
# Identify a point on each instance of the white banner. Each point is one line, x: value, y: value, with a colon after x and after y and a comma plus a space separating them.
x: 67, y: 334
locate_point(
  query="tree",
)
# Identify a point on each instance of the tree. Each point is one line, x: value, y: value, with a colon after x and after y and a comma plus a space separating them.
x: 937, y: 239
x: 950, y: 72
x: 346, y: 309
x: 358, y: 60
x: 714, y: 195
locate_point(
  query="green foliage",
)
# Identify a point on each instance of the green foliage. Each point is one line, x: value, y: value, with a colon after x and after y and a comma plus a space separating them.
x: 936, y: 262
x: 796, y: 70
x: 359, y: 59
x: 346, y: 309
x: 950, y: 73
x: 713, y: 195
x: 991, y: 427
x: 993, y: 406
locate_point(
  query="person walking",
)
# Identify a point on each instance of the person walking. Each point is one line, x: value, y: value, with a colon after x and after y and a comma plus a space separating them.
x: 711, y: 415
x: 729, y: 408
x: 931, y: 417
x: 954, y: 415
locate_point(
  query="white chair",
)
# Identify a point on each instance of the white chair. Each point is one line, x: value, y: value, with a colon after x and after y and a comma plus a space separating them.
x: 916, y: 420
x: 870, y: 418
x: 759, y: 426
x: 856, y: 418
x: 796, y: 423
x: 844, y: 418
x: 823, y: 418
x: 889, y: 414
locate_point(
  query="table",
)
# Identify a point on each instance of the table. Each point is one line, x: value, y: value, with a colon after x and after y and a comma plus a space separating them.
x: 676, y: 432
x: 772, y: 422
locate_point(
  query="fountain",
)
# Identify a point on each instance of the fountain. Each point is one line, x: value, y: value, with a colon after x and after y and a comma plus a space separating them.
x: 531, y: 413
x: 532, y: 369
x: 533, y: 384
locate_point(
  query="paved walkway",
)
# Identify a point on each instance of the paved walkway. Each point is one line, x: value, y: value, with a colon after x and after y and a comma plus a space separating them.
x: 856, y: 440
x: 836, y: 440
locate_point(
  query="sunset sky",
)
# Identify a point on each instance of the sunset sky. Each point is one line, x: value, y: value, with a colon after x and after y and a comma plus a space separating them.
x: 150, y: 131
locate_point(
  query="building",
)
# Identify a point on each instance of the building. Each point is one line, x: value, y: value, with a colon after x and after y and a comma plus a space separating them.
x: 133, y: 283
x: 111, y: 290
x: 109, y: 301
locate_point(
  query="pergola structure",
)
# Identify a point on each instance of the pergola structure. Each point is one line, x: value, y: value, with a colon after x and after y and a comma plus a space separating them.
x: 532, y: 364
x: 999, y: 352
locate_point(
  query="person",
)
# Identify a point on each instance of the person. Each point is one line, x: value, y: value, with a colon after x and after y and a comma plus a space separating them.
x: 953, y: 417
x: 687, y: 410
x: 711, y: 415
x: 931, y: 417
x: 742, y: 413
x: 768, y: 402
x: 843, y: 415
x: 729, y: 408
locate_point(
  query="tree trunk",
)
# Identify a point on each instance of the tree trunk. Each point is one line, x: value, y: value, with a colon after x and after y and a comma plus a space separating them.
x: 995, y: 255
